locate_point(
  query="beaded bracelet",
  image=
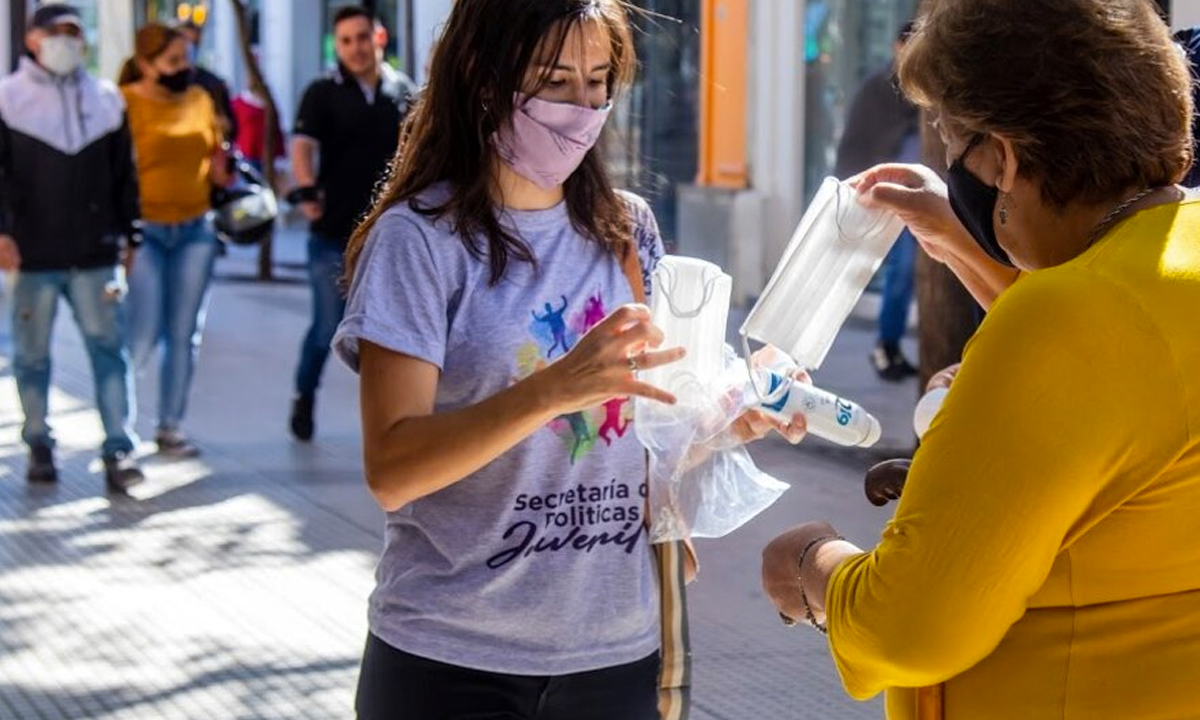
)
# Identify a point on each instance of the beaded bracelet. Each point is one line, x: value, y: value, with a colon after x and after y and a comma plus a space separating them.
x: 808, y: 612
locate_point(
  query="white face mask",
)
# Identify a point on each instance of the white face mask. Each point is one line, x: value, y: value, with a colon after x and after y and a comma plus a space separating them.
x: 690, y: 304
x: 836, y: 249
x: 61, y: 54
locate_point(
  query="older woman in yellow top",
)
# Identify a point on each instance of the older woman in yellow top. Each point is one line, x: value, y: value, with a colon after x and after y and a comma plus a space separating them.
x: 1044, y: 561
x: 177, y: 143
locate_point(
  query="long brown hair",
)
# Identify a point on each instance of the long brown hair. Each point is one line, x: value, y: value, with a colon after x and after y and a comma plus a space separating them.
x: 151, y: 40
x: 478, y: 65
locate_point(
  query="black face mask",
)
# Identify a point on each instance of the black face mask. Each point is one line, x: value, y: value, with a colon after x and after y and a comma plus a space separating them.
x: 974, y: 203
x: 177, y: 82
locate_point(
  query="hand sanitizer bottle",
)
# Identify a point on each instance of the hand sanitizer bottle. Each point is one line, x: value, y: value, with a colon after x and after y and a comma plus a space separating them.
x: 927, y: 408
x: 827, y: 415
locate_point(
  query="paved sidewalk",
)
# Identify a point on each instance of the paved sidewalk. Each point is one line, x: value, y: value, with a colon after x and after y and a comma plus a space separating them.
x: 235, y: 585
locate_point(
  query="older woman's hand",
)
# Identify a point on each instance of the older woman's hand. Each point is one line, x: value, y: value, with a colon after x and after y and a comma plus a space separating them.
x: 781, y: 570
x: 919, y: 197
x: 784, y: 576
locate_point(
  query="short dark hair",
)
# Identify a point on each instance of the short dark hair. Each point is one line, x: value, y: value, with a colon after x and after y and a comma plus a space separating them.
x: 350, y: 12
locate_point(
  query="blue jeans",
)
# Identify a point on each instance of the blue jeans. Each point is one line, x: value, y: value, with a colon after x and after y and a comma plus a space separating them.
x: 100, y: 316
x: 324, y: 274
x: 168, y: 295
x: 897, y: 288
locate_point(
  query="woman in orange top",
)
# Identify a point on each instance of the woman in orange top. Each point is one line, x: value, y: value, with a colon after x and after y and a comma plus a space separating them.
x: 179, y: 157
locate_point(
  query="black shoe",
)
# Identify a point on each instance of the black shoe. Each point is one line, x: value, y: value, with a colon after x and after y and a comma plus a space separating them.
x: 302, y: 417
x: 41, y: 465
x: 121, y: 472
x: 890, y: 363
x: 174, y: 444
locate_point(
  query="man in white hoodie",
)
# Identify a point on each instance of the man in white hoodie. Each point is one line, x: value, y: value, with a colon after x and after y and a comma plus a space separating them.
x: 69, y: 212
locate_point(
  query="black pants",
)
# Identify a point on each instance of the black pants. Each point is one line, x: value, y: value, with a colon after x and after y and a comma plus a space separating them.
x: 394, y: 685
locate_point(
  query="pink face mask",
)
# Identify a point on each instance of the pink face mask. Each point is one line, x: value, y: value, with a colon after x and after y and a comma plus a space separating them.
x: 547, y: 141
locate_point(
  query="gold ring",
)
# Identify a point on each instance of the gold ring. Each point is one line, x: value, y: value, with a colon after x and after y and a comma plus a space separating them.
x: 633, y: 363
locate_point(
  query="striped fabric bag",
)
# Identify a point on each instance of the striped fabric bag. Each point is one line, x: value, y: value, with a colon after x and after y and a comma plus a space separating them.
x: 676, y: 567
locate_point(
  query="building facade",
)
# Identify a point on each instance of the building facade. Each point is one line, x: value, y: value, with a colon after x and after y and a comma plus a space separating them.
x: 732, y: 124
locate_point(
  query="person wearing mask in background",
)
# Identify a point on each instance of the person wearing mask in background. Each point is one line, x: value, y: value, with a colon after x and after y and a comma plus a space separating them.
x: 68, y: 202
x: 352, y: 120
x: 177, y: 139
x: 212, y: 83
x: 882, y: 126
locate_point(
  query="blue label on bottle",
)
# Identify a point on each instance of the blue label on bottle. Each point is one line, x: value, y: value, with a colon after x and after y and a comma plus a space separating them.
x: 776, y: 382
x: 844, y: 412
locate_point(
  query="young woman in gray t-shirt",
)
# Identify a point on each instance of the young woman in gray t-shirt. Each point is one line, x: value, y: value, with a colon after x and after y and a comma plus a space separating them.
x: 497, y: 342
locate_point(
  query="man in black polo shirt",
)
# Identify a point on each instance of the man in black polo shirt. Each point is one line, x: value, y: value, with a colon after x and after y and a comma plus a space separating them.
x: 351, y: 121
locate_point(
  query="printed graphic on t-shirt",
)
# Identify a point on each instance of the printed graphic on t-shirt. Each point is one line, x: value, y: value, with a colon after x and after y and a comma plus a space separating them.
x: 586, y: 516
x: 568, y: 520
x: 555, y: 328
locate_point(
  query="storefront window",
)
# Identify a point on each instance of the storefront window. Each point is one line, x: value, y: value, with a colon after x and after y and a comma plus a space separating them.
x: 844, y: 42
x: 169, y: 11
x: 91, y: 31
x: 655, y: 147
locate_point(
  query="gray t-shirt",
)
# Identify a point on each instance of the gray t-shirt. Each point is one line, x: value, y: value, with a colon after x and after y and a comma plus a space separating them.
x: 538, y: 563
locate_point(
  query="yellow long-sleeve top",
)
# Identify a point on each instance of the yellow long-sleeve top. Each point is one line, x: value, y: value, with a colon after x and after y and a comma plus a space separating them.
x: 174, y: 141
x: 1044, y: 561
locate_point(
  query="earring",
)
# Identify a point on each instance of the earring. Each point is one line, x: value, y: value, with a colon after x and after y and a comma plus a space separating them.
x: 1003, y: 208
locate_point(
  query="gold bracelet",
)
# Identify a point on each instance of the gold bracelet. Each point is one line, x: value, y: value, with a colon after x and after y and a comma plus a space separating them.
x: 808, y: 612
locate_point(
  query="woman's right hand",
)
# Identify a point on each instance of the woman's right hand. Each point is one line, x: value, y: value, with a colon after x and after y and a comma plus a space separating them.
x: 600, y: 366
x: 920, y: 198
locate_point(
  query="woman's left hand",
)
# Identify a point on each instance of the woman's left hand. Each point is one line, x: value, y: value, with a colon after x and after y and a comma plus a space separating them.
x: 756, y: 424
x: 781, y: 570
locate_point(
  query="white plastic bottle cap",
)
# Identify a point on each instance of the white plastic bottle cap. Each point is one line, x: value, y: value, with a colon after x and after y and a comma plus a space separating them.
x: 873, y: 434
x: 927, y: 409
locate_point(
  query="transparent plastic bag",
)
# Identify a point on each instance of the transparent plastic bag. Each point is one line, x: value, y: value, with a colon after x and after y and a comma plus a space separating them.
x: 702, y: 484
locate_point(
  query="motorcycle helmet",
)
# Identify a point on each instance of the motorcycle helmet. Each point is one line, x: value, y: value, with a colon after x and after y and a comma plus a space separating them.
x: 245, y: 212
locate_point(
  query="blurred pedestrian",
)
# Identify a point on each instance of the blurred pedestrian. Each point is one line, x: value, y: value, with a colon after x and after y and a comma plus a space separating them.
x: 250, y: 112
x: 213, y: 84
x: 68, y: 209
x: 351, y: 121
x: 882, y: 126
x: 1044, y: 560
x: 516, y: 579
x: 179, y: 156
